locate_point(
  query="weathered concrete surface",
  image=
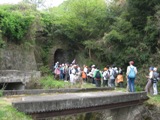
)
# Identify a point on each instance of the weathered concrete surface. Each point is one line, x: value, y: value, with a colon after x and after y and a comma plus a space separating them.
x: 40, y: 91
x: 75, y: 101
x: 16, y: 76
x: 16, y: 79
x: 14, y: 57
x: 126, y: 113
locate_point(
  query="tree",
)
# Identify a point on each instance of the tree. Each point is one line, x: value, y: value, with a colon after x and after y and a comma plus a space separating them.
x: 16, y: 22
x: 37, y: 3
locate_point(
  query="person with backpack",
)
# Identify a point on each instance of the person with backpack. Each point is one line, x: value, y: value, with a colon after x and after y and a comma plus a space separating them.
x: 131, y: 74
x: 105, y: 76
x: 149, y: 81
x: 97, y: 76
x: 112, y: 76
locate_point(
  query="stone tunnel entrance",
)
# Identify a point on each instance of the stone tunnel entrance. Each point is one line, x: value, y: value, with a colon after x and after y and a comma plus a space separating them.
x: 12, y: 86
x: 63, y: 56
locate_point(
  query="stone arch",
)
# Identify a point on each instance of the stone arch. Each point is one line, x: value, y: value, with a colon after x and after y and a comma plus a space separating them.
x: 61, y: 56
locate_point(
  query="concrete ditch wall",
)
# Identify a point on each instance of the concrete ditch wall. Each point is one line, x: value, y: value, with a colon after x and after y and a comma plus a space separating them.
x: 137, y: 112
x: 16, y: 79
x: 17, y: 65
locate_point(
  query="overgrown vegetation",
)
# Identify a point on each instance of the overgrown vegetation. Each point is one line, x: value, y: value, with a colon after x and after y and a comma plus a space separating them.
x: 154, y: 100
x: 7, y: 112
x: 1, y: 93
x: 17, y: 23
x: 103, y: 33
x: 48, y: 82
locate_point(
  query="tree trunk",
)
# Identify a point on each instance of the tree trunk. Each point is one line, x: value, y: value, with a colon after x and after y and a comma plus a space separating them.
x: 89, y: 52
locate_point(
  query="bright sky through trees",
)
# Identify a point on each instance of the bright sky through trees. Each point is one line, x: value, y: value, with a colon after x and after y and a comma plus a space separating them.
x: 47, y: 3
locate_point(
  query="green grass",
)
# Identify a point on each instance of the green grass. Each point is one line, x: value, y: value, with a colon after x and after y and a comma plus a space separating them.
x: 48, y: 82
x: 154, y: 100
x: 7, y: 112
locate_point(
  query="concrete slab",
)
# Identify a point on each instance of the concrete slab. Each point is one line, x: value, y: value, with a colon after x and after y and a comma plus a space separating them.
x: 67, y: 101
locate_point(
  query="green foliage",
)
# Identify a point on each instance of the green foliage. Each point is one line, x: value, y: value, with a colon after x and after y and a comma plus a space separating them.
x: 79, y: 21
x: 49, y: 83
x: 103, y: 33
x: 16, y: 22
x: 128, y: 38
x: 139, y: 88
x: 73, y: 23
x: 2, y: 42
x: 15, y: 26
x: 37, y: 3
x: 45, y: 70
x: 151, y: 37
x: 1, y: 93
x: 7, y: 112
x: 154, y: 100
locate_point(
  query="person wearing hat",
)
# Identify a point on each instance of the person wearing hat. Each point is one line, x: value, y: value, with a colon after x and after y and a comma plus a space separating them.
x: 93, y: 69
x: 131, y: 74
x: 149, y: 80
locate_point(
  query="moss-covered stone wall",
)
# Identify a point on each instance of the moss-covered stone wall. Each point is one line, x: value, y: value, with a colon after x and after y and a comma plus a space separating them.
x: 14, y: 57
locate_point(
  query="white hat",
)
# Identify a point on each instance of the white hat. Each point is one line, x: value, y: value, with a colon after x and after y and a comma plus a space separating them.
x: 154, y: 69
x: 93, y: 65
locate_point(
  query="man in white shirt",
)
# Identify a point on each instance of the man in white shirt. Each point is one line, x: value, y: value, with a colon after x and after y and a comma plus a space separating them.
x: 92, y: 73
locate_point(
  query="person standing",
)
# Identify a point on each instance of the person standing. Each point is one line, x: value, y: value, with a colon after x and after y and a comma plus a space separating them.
x: 149, y: 81
x: 93, y: 69
x: 112, y: 77
x: 155, y: 80
x: 84, y: 76
x: 105, y: 76
x: 119, y: 80
x: 85, y: 71
x: 97, y: 76
x: 66, y: 71
x: 131, y: 74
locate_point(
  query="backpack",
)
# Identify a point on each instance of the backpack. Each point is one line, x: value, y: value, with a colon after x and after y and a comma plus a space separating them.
x: 114, y: 73
x: 132, y: 73
x: 98, y: 75
x: 155, y: 77
x: 107, y: 76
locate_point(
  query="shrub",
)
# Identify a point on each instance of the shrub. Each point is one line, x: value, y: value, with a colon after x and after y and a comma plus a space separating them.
x: 45, y: 70
x: 48, y: 83
x: 1, y: 93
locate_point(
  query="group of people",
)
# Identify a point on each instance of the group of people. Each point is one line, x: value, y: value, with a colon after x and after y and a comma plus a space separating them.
x: 67, y: 72
x: 111, y: 76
